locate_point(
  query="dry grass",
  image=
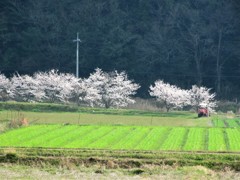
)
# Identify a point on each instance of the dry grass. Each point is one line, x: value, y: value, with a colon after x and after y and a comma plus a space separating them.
x: 8, y: 171
x: 145, y: 104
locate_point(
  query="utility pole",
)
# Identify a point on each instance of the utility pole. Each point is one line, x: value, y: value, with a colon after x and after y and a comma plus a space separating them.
x: 77, y: 56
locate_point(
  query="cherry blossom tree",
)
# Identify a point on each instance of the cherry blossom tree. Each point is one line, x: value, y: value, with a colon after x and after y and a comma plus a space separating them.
x: 201, y: 97
x: 57, y: 87
x: 84, y: 93
x: 111, y: 89
x: 102, y: 89
x: 171, y: 96
x: 5, y: 92
x: 25, y: 88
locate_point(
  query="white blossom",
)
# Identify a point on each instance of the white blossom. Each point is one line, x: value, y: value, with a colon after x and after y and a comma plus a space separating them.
x: 26, y: 88
x: 201, y: 97
x: 5, y: 92
x: 84, y: 93
x: 57, y: 87
x: 171, y: 96
x: 111, y: 89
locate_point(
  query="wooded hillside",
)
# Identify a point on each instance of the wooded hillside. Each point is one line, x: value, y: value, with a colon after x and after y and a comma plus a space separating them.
x: 184, y: 42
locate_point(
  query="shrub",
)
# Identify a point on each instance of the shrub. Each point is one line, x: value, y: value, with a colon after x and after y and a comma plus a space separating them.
x: 16, y: 123
x: 226, y: 106
x: 11, y: 157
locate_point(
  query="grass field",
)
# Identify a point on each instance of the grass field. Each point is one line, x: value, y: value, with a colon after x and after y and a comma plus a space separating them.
x: 148, y: 119
x: 226, y: 122
x: 43, y: 113
x: 124, y: 138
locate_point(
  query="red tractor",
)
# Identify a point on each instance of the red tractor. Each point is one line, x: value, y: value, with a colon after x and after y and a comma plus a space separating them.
x: 203, y: 112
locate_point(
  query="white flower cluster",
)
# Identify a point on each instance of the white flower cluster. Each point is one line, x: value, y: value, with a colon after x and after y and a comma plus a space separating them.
x: 174, y: 97
x: 102, y: 89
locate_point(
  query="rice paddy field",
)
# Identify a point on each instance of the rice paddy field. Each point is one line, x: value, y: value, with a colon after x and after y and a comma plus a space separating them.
x: 225, y: 122
x: 62, y: 136
x: 124, y: 138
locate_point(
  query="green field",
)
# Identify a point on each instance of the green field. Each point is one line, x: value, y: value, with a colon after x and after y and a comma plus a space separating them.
x: 69, y: 136
x: 226, y: 122
x: 44, y: 113
x: 123, y: 138
x: 114, y: 118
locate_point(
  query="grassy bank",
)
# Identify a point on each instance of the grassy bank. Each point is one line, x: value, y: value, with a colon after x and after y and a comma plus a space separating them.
x: 68, y: 170
x: 118, y: 159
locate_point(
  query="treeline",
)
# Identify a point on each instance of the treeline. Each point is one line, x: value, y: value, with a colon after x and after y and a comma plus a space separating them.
x: 100, y: 89
x: 183, y: 42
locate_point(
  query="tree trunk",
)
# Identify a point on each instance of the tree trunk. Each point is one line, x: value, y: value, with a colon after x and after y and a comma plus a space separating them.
x: 168, y: 108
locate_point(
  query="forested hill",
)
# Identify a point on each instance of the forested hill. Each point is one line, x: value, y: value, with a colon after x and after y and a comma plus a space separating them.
x: 184, y: 42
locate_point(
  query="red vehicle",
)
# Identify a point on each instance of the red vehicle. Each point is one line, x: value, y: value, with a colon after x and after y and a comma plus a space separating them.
x: 203, y: 112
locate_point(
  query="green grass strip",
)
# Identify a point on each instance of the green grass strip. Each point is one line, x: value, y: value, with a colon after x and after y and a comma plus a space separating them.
x: 17, y: 136
x: 83, y: 141
x: 232, y: 123
x: 55, y: 139
x: 195, y: 139
x: 238, y: 122
x: 234, y: 139
x: 154, y: 139
x: 219, y: 123
x: 43, y: 140
x: 111, y: 138
x: 174, y: 140
x: 206, y: 139
x: 80, y: 131
x: 216, y: 140
x: 132, y: 139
